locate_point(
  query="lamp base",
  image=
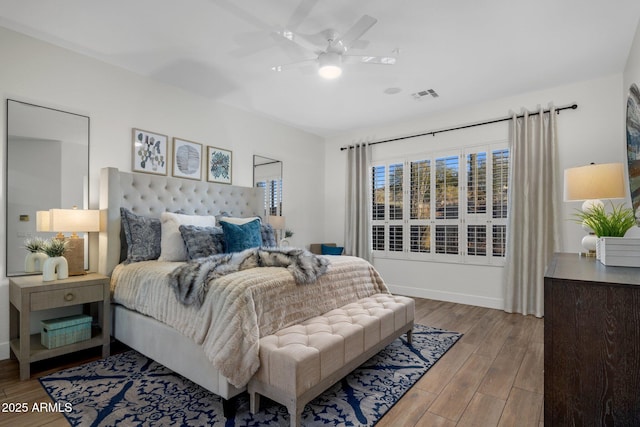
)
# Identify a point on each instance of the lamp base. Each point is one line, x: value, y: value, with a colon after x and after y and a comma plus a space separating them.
x: 589, y: 254
x: 75, y: 256
x: 589, y: 242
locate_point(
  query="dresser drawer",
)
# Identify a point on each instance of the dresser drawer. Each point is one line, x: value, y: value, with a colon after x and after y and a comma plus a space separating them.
x: 63, y: 297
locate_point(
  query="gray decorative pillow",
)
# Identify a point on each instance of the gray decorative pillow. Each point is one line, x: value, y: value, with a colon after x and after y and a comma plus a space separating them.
x: 202, y: 241
x: 142, y: 235
x: 268, y: 236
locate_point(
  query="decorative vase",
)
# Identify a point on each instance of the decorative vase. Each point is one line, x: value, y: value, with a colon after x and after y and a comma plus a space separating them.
x: 34, y: 262
x: 55, y: 268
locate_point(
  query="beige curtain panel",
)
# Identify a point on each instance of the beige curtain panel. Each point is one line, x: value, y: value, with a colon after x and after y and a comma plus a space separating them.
x: 357, y: 215
x: 532, y: 231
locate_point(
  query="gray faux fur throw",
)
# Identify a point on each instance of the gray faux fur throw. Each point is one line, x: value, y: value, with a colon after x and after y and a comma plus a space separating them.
x: 190, y: 281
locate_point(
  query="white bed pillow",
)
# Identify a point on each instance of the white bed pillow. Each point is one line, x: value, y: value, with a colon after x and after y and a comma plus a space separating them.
x: 239, y: 221
x: 172, y: 247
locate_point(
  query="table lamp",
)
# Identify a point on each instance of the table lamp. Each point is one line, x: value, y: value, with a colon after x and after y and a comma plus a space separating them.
x: 590, y: 184
x: 70, y: 221
x: 277, y: 223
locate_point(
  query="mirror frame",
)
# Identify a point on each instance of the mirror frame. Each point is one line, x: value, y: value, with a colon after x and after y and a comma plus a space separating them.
x: 269, y: 160
x: 86, y: 190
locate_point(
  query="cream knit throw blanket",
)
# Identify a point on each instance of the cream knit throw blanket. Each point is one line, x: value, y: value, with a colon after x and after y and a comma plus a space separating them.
x: 242, y: 307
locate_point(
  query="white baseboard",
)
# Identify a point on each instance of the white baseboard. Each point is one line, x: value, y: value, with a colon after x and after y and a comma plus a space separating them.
x: 4, y: 350
x: 488, y: 302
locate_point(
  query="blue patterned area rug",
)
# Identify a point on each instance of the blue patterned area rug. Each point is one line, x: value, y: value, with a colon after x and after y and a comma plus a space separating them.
x: 129, y: 389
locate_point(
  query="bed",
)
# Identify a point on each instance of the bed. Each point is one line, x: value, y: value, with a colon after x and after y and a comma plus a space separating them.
x: 175, y: 346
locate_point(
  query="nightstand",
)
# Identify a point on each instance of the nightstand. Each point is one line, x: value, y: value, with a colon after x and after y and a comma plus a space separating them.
x: 30, y: 293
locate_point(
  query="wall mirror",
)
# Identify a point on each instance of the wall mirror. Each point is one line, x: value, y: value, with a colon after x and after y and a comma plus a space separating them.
x: 47, y: 164
x: 267, y: 174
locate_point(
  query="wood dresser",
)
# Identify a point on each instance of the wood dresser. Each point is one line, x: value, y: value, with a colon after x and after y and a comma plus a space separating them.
x: 591, y: 343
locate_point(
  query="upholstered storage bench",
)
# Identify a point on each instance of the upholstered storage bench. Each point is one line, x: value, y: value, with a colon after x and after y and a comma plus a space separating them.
x: 300, y: 362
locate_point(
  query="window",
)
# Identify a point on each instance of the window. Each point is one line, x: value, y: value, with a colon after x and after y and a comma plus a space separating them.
x: 272, y: 195
x: 388, y: 207
x: 420, y: 206
x: 448, y: 206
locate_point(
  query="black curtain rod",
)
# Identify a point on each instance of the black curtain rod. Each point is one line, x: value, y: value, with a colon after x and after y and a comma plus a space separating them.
x: 433, y: 133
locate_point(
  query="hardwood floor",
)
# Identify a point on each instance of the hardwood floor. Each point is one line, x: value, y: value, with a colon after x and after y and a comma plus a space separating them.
x: 492, y: 377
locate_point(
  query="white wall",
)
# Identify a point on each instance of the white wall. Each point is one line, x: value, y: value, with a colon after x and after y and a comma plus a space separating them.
x: 117, y: 100
x: 592, y: 133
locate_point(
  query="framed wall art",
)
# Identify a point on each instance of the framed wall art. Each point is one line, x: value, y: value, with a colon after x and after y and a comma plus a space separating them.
x: 218, y: 165
x: 633, y: 147
x: 187, y: 159
x: 149, y: 152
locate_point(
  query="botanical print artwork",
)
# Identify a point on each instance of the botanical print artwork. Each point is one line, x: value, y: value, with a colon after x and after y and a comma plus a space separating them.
x: 187, y: 159
x: 633, y: 147
x: 149, y: 152
x: 219, y: 165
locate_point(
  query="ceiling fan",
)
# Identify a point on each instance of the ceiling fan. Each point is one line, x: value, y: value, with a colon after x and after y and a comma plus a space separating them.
x: 331, y: 54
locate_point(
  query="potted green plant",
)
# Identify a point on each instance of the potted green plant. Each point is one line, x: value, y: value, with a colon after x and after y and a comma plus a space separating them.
x: 34, y: 261
x: 55, y: 247
x: 34, y: 244
x: 613, y: 224
x: 285, y: 240
x: 606, y: 224
x: 56, y: 266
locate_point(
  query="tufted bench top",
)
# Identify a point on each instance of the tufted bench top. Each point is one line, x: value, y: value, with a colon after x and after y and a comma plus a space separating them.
x: 299, y: 362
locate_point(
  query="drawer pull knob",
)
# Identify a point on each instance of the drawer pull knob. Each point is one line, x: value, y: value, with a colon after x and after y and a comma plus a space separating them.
x: 69, y: 297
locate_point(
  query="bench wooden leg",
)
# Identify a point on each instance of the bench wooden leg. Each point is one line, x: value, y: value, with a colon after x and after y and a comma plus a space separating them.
x: 410, y: 336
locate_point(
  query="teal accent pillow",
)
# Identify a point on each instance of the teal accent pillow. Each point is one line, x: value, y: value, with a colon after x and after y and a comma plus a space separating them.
x: 331, y: 250
x: 237, y: 238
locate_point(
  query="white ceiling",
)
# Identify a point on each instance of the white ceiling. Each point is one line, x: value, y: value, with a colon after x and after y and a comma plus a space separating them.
x: 468, y: 51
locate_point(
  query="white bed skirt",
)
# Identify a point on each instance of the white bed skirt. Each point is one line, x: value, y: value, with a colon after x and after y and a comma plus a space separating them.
x: 170, y: 348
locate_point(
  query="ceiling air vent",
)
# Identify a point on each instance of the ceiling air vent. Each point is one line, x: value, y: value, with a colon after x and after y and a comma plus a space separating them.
x: 424, y: 93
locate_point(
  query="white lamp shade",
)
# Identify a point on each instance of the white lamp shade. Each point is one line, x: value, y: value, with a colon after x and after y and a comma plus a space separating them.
x: 74, y: 220
x: 43, y: 221
x: 604, y: 181
x: 277, y: 222
x: 329, y: 65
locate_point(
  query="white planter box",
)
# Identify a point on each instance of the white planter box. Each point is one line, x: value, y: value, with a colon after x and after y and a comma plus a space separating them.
x: 619, y: 251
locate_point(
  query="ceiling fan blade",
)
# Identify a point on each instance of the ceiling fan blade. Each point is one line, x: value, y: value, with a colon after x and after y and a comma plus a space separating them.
x: 350, y: 37
x: 300, y: 40
x: 367, y: 59
x: 292, y: 65
x: 300, y: 14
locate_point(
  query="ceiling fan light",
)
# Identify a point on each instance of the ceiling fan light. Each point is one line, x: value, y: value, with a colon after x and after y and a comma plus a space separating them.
x: 329, y: 65
x: 330, y: 71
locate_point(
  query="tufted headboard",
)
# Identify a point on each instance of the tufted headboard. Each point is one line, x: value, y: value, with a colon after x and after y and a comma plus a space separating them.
x: 150, y: 195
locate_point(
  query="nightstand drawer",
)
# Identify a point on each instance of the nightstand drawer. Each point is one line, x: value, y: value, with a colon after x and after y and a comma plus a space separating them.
x: 63, y: 297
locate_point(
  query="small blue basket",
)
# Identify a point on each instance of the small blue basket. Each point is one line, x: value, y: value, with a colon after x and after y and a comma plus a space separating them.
x: 65, y: 330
